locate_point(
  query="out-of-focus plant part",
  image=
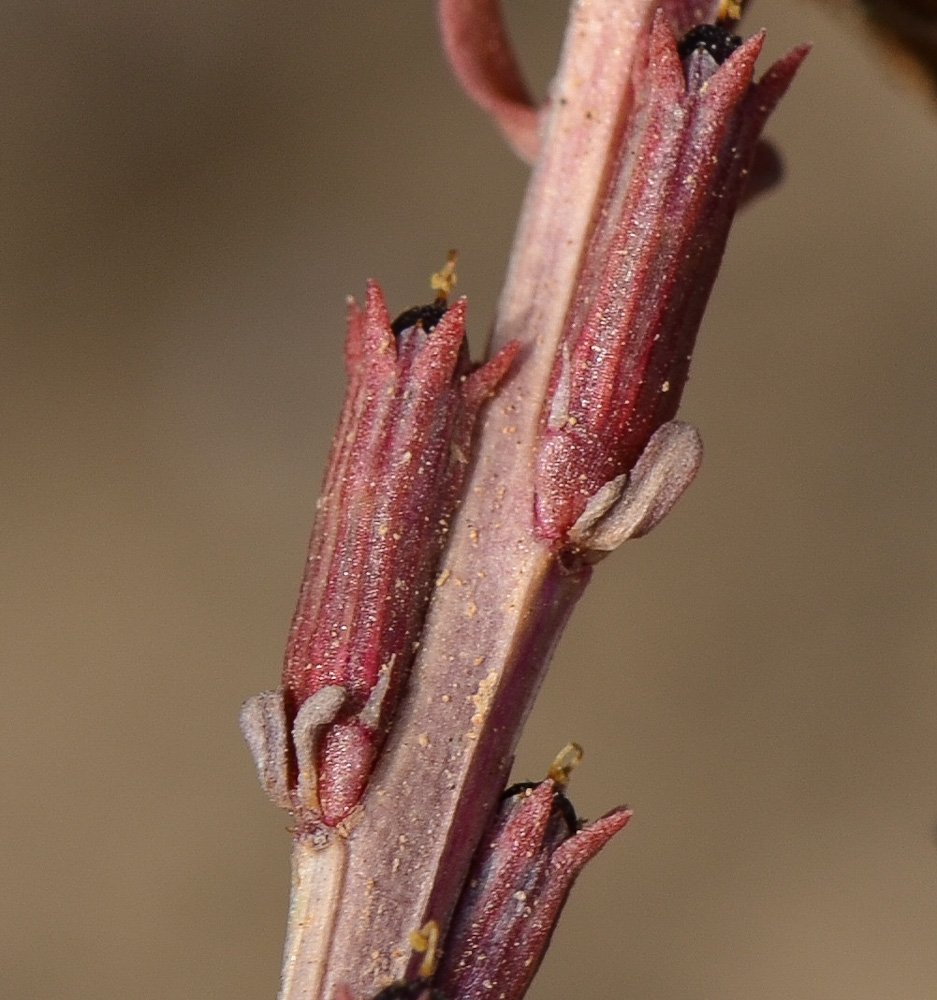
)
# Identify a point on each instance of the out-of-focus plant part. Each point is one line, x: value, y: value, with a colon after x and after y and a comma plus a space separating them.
x: 905, y: 31
x: 432, y: 602
x: 482, y: 59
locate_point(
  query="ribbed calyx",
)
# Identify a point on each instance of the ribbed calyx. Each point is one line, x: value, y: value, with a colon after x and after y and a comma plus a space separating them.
x: 519, y: 882
x: 650, y: 265
x: 398, y: 463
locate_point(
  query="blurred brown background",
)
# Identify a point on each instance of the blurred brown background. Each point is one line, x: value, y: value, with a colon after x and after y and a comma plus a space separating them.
x: 189, y: 190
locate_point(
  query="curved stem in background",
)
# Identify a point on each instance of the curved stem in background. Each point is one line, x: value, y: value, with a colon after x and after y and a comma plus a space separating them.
x: 475, y: 38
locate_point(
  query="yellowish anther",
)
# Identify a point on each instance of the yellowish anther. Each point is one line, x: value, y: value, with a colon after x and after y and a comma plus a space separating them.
x: 425, y: 941
x: 442, y: 282
x: 729, y: 11
x: 563, y: 764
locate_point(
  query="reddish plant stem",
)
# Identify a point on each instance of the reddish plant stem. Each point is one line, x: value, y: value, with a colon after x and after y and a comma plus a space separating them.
x: 503, y: 598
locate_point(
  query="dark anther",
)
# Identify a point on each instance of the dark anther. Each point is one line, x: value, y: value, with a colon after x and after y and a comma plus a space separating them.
x: 709, y: 38
x: 414, y: 990
x: 559, y: 802
x: 426, y: 316
x: 517, y: 789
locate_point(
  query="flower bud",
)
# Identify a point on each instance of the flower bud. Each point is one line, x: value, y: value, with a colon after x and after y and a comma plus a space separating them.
x: 650, y: 265
x: 517, y: 887
x: 398, y: 462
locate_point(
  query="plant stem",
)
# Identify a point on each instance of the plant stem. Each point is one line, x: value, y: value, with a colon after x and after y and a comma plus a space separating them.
x: 502, y: 598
